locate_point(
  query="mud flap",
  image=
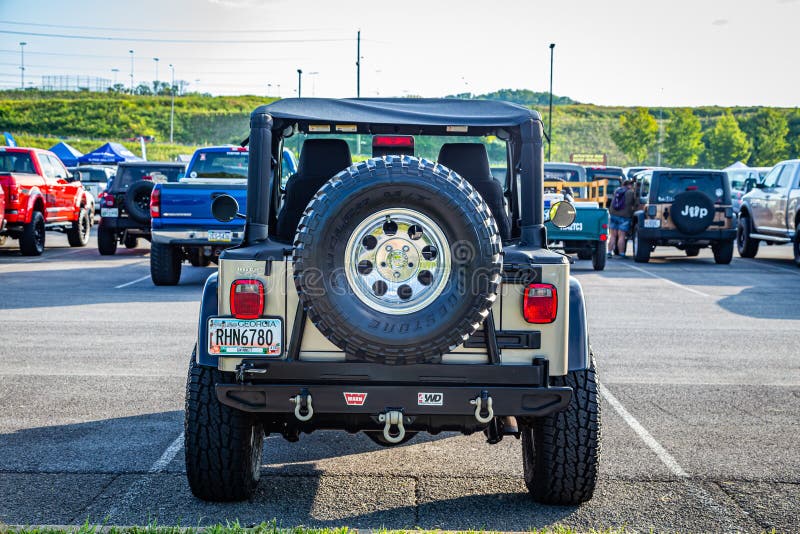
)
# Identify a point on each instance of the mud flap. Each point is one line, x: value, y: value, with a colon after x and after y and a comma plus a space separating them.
x: 578, y: 351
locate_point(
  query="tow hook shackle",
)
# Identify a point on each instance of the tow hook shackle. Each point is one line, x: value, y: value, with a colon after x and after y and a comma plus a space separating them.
x: 480, y: 402
x: 393, y: 418
x: 303, y: 409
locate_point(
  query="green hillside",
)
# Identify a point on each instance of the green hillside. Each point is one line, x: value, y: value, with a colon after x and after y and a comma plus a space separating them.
x: 88, y: 119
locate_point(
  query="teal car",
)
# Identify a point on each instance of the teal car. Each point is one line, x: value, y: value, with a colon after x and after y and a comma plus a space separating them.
x: 586, y: 237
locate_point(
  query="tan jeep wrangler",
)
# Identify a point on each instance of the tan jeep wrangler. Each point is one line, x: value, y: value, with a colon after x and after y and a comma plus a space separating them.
x: 685, y: 208
x: 393, y: 296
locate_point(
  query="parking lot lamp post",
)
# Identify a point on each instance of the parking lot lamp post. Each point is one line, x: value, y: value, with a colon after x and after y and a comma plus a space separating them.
x: 172, y: 105
x: 299, y: 83
x: 22, y: 64
x: 115, y: 71
x: 131, y: 53
x: 155, y: 85
x: 550, y: 113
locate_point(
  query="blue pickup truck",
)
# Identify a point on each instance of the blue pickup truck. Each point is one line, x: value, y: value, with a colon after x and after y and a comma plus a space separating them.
x: 182, y: 225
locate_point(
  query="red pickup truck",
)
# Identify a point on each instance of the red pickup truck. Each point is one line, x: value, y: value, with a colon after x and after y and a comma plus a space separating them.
x: 39, y: 195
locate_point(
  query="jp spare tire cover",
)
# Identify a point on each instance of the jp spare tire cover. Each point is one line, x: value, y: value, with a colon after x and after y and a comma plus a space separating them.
x: 397, y: 260
x: 692, y: 212
x: 137, y: 200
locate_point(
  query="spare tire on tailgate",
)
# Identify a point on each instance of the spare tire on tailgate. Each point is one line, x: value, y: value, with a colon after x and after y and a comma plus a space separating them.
x: 397, y: 260
x: 692, y: 212
x: 137, y: 201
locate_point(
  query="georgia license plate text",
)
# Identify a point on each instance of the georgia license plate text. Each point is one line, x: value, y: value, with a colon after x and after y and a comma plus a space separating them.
x: 257, y: 337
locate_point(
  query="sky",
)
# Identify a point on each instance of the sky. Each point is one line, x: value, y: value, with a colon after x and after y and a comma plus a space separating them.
x: 614, y: 52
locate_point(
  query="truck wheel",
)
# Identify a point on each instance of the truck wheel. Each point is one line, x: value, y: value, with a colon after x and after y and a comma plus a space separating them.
x: 222, y: 445
x: 692, y: 251
x: 137, y: 201
x: 599, y: 256
x: 723, y: 252
x: 31, y: 242
x: 165, y: 264
x: 198, y: 259
x: 397, y: 260
x: 796, y: 245
x: 641, y: 247
x: 131, y: 241
x: 106, y: 242
x: 747, y: 246
x: 560, y: 451
x: 78, y: 233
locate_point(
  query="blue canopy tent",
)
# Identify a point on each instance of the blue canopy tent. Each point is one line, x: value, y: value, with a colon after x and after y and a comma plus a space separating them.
x: 109, y: 153
x: 67, y: 154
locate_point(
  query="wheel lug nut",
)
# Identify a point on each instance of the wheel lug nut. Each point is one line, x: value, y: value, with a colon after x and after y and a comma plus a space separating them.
x: 405, y: 248
x: 396, y: 274
x: 388, y: 248
x: 410, y: 264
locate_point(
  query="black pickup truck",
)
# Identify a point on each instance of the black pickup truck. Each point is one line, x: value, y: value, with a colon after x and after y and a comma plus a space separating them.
x: 770, y: 211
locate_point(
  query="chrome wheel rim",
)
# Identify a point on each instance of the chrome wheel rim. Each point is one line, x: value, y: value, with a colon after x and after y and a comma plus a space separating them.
x: 397, y: 261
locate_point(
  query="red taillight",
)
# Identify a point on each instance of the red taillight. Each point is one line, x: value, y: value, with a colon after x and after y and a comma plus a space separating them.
x: 603, y: 237
x: 406, y: 141
x: 540, y: 303
x: 247, y: 299
x: 109, y: 201
x: 155, y: 203
x: 147, y: 178
x: 604, y: 226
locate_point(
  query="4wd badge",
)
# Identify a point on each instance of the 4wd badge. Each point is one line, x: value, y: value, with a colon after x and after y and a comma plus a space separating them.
x: 430, y: 399
x: 355, y: 399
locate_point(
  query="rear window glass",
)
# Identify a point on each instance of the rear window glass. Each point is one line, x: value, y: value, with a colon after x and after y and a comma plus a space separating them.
x: 567, y: 176
x: 129, y: 175
x: 738, y: 177
x: 220, y: 165
x: 93, y: 175
x: 16, y: 162
x: 670, y: 185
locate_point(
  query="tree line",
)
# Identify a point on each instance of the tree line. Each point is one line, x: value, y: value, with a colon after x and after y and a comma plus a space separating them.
x: 760, y: 139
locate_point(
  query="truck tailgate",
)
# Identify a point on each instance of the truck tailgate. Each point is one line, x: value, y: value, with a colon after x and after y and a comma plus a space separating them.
x: 189, y: 205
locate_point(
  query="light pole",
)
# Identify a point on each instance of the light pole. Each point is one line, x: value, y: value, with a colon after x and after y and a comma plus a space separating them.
x: 550, y: 113
x: 299, y: 83
x: 269, y: 88
x: 155, y: 85
x: 172, y: 105
x: 358, y: 65
x: 22, y: 64
x: 115, y: 71
x: 131, y: 53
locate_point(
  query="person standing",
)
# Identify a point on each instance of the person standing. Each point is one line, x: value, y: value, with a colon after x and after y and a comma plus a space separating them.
x: 621, y: 211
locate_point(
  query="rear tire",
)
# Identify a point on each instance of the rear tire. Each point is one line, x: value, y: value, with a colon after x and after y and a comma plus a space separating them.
x: 78, y: 233
x: 131, y: 241
x: 796, y: 245
x: 198, y: 259
x: 747, y: 246
x: 599, y: 256
x: 692, y: 251
x: 723, y: 252
x: 165, y: 264
x: 31, y: 242
x: 106, y: 241
x: 641, y: 247
x: 560, y: 451
x: 222, y: 445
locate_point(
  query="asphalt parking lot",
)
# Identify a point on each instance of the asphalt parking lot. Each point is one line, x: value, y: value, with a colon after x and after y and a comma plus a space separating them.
x: 700, y: 374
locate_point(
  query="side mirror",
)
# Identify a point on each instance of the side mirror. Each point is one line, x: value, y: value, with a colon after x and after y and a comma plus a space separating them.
x: 224, y: 208
x: 750, y: 184
x: 562, y: 214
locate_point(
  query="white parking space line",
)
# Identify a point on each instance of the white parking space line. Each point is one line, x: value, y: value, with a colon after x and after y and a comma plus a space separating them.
x: 648, y: 438
x: 126, y: 284
x: 140, y: 483
x: 692, y: 487
x: 42, y: 258
x: 667, y: 280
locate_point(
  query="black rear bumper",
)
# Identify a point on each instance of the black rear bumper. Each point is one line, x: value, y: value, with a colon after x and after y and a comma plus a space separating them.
x: 345, y: 388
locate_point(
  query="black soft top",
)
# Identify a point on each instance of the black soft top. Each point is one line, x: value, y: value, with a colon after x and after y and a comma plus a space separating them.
x: 400, y: 112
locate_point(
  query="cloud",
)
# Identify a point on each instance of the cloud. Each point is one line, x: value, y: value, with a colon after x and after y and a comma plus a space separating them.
x: 720, y: 22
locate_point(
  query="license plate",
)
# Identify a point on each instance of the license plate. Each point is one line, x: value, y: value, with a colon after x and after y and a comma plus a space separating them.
x: 652, y: 223
x: 109, y: 212
x: 220, y: 236
x: 245, y: 337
